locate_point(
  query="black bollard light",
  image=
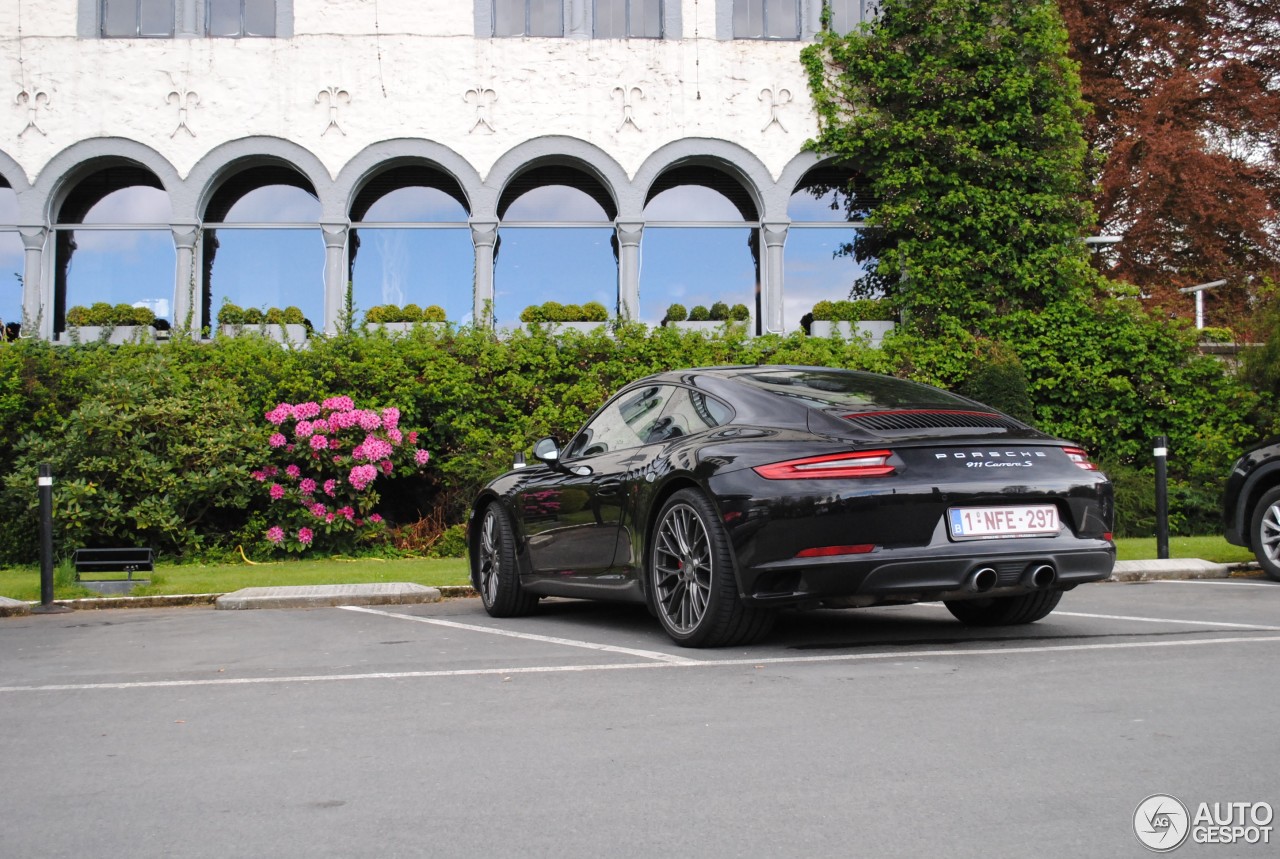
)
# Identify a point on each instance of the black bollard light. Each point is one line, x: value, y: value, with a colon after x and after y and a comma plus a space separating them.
x: 45, y: 483
x: 1162, y: 497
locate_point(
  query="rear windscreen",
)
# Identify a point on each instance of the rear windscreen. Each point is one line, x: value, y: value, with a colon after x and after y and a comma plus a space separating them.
x: 852, y: 391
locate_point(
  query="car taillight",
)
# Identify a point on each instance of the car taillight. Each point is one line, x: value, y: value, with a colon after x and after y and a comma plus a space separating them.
x: 1080, y: 458
x: 869, y: 463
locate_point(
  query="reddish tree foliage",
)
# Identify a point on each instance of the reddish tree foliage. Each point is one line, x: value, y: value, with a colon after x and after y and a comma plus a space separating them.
x: 1186, y: 139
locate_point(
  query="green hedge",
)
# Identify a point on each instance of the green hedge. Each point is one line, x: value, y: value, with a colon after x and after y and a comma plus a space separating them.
x: 155, y: 444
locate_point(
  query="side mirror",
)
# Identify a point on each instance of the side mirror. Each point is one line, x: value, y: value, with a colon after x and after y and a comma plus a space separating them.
x: 546, y: 451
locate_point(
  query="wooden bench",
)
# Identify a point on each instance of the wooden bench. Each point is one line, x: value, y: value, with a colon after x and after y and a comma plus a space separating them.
x: 123, y: 560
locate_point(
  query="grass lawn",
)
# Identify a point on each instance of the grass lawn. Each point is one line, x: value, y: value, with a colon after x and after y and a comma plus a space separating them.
x: 1214, y: 549
x: 23, y: 583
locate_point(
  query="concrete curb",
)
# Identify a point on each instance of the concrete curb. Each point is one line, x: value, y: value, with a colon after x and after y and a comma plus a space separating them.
x: 13, y: 608
x: 319, y: 596
x: 1179, y: 569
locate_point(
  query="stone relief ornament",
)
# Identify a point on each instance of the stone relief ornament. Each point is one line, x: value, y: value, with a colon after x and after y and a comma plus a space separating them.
x: 33, y: 100
x: 186, y: 100
x: 629, y: 96
x: 335, y: 96
x: 483, y: 98
x: 776, y: 98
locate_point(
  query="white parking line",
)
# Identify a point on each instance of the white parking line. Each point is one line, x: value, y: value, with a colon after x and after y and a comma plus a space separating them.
x: 1214, y: 582
x: 527, y: 636
x: 1213, y: 623
x: 899, y: 654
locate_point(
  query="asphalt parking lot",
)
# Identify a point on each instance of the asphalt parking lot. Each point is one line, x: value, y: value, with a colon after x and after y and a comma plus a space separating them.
x: 433, y: 730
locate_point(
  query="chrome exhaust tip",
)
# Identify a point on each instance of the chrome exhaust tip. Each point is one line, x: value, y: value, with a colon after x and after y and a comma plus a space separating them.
x: 1040, y: 576
x: 982, y: 580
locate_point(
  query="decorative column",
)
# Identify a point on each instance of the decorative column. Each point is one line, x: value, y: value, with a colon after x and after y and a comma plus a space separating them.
x: 335, y: 275
x: 629, y: 234
x: 775, y: 236
x: 484, y: 235
x: 37, y: 308
x: 186, y: 310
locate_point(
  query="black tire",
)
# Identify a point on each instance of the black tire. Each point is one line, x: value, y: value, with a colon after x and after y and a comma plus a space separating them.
x: 1264, y: 533
x: 493, y: 567
x: 692, y: 582
x: 1005, y: 611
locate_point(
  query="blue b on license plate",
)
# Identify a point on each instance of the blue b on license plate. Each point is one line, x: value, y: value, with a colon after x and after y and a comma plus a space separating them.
x: 1021, y: 520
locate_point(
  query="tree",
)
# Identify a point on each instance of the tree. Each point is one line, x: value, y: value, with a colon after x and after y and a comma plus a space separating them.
x: 964, y: 119
x: 1185, y: 136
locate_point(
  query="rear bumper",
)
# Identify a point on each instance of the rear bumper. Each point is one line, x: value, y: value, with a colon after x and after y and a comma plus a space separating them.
x: 944, y: 572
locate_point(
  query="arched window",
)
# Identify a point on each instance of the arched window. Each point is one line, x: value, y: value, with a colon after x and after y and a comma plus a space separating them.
x: 821, y: 260
x: 555, y: 243
x: 411, y: 244
x: 113, y: 244
x: 11, y: 260
x: 700, y: 245
x: 262, y: 246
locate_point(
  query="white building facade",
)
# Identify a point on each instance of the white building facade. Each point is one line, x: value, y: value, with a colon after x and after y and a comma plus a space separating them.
x: 194, y: 107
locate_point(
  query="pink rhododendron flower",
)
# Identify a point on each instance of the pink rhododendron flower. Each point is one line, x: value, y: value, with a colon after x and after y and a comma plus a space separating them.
x: 369, y: 420
x: 413, y: 436
x: 275, y: 534
x: 390, y: 418
x: 361, y: 476
x: 328, y: 519
x: 330, y: 486
x: 421, y: 457
x: 303, y: 429
x: 375, y: 518
x: 307, y: 486
x: 319, y: 442
x: 395, y: 435
x: 339, y: 404
x: 277, y: 440
x: 346, y: 512
x: 293, y: 471
x: 305, y: 536
x: 280, y: 414
x: 277, y: 492
x: 386, y: 465
x: 318, y: 510
x: 259, y: 476
x: 306, y: 411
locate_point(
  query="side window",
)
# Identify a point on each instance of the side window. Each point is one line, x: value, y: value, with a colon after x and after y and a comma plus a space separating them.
x: 689, y: 412
x: 628, y: 421
x: 240, y: 18
x: 138, y: 18
x: 528, y: 17
x: 766, y: 19
x: 627, y: 19
x: 846, y: 15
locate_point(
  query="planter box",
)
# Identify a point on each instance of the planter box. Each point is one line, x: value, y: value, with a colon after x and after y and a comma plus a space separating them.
x: 710, y: 327
x: 557, y: 327
x: 848, y: 330
x: 291, y: 333
x: 108, y: 334
x: 395, y: 329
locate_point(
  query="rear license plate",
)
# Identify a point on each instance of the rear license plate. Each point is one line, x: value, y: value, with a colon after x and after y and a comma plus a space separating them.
x: 969, y: 523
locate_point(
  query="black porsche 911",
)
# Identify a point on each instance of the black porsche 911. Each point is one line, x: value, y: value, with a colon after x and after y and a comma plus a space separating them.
x: 718, y: 495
